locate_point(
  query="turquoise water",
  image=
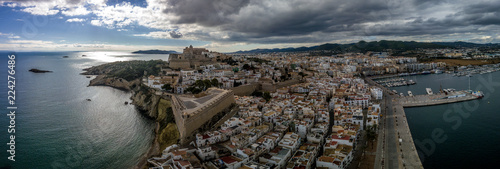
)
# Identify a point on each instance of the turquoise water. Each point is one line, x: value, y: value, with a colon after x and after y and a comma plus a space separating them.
x: 458, y: 135
x: 56, y: 127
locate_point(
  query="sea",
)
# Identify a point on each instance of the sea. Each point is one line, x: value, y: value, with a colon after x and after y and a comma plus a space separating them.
x: 55, y: 124
x: 457, y: 135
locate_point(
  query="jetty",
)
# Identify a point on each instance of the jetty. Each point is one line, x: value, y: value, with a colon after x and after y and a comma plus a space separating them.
x: 436, y: 99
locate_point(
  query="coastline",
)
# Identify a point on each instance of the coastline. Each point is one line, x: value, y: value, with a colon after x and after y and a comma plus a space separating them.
x: 153, y: 150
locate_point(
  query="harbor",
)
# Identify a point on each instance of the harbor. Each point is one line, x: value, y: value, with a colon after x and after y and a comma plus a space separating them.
x: 396, y: 138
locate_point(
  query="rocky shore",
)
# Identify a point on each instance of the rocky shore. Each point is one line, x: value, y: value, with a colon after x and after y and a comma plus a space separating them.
x: 146, y: 102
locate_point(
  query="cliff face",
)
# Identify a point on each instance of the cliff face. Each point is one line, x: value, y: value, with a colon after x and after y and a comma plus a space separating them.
x: 103, y: 80
x: 147, y: 103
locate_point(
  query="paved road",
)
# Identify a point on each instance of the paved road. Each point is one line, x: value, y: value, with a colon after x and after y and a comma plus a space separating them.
x: 406, y: 148
x: 391, y: 154
x: 391, y: 158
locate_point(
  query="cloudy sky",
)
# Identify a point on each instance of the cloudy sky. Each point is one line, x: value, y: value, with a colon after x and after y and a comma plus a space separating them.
x: 231, y: 25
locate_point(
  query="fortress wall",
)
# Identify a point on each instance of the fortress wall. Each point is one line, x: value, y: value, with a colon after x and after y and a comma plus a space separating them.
x: 268, y: 87
x: 176, y: 64
x: 287, y: 83
x: 179, y: 121
x: 245, y: 90
x: 188, y: 126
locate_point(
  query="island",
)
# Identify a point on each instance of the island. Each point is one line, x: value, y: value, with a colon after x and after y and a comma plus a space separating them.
x: 156, y: 51
x: 39, y: 71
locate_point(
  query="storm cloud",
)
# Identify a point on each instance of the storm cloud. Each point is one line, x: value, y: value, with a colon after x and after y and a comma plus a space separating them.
x: 293, y: 21
x: 311, y: 20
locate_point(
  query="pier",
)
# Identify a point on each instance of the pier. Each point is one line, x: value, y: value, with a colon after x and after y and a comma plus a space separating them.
x: 436, y: 99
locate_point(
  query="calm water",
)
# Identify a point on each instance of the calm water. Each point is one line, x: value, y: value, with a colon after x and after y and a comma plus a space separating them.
x: 470, y: 129
x: 57, y: 128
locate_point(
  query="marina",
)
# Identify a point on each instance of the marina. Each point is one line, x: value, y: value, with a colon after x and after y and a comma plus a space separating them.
x: 395, y: 82
x: 475, y: 70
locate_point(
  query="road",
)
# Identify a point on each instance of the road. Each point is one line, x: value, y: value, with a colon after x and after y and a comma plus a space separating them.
x: 390, y: 153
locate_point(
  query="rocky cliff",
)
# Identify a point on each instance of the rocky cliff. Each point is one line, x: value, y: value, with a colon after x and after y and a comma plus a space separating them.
x: 104, y: 80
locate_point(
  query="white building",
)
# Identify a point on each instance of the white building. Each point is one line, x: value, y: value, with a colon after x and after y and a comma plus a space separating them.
x: 376, y: 93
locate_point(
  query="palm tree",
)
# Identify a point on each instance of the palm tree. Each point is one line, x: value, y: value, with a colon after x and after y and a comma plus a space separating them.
x: 370, y: 134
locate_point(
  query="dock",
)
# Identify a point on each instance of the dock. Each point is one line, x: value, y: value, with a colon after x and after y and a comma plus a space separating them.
x: 436, y: 99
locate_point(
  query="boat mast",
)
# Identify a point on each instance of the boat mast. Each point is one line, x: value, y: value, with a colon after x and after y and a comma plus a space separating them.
x: 469, y: 83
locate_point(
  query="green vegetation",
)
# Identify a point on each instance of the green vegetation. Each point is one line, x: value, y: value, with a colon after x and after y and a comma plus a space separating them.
x: 128, y: 70
x: 229, y: 61
x: 376, y: 46
x: 266, y: 96
x: 258, y: 60
x: 168, y: 136
x: 202, y: 85
x: 371, y: 134
x: 248, y: 67
x: 165, y: 112
x: 167, y: 87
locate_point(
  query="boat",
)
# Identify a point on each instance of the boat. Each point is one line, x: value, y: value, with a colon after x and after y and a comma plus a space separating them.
x: 410, y: 94
x: 65, y: 56
x: 411, y: 82
x: 426, y: 72
x: 478, y: 94
x: 401, y: 94
x: 89, y: 100
x: 438, y: 71
x: 429, y: 91
x: 84, y: 55
x: 126, y: 102
x: 88, y: 76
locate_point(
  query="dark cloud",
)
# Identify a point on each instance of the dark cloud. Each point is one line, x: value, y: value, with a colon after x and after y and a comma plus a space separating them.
x: 175, y: 34
x: 205, y: 12
x: 73, y: 2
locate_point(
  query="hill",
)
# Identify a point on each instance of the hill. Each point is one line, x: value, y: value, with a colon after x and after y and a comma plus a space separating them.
x: 155, y: 51
x: 376, y: 46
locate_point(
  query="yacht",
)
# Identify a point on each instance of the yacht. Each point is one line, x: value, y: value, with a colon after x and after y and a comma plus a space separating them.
x: 429, y: 91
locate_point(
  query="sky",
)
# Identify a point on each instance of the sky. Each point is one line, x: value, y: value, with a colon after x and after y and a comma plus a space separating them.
x: 232, y: 25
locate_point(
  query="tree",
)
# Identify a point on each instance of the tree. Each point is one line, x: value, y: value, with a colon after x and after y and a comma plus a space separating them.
x: 370, y: 134
x: 166, y: 87
x: 206, y: 84
x: 199, y: 84
x: 302, y: 74
x: 215, y: 82
x: 196, y: 91
x: 267, y: 96
x: 246, y: 67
